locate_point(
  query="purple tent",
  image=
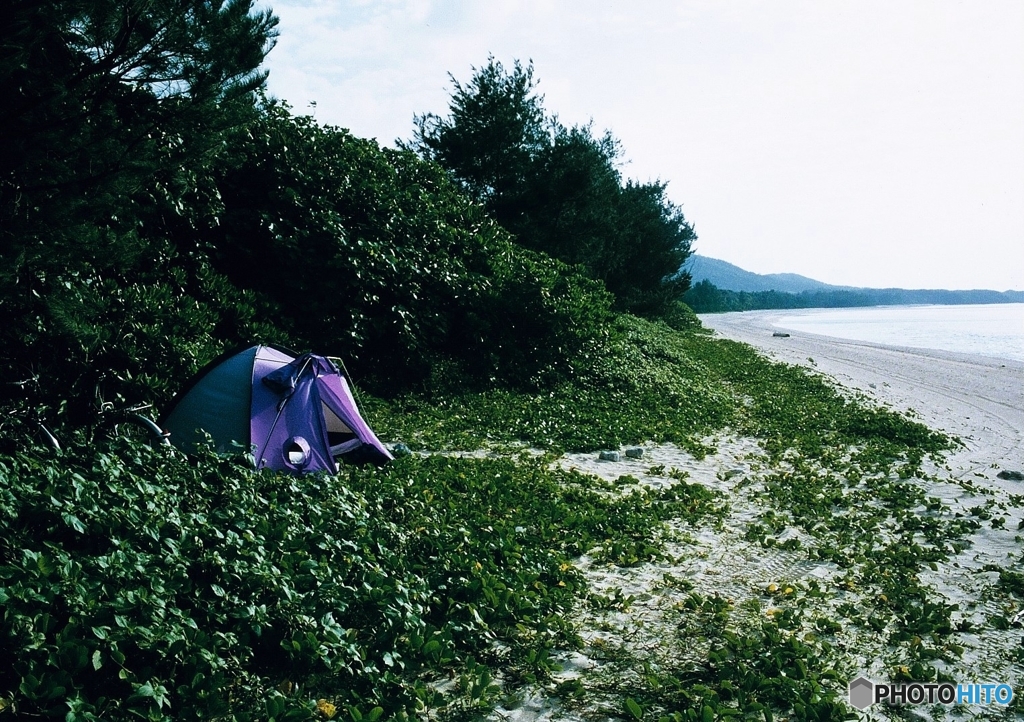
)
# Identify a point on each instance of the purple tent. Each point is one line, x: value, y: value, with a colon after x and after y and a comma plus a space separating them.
x: 294, y: 414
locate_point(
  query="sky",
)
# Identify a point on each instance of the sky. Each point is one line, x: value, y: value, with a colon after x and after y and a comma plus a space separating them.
x: 873, y: 143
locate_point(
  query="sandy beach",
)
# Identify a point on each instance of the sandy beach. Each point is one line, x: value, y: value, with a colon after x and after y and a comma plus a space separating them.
x: 978, y: 399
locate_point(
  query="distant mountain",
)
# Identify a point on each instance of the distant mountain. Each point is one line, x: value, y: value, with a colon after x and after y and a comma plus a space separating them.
x: 726, y: 276
x: 720, y: 286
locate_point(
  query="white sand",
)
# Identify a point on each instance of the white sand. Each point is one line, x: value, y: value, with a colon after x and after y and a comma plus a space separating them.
x: 976, y: 398
x: 979, y: 400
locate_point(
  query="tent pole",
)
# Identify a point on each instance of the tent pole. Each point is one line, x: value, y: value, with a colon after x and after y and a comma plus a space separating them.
x: 351, y: 381
x: 280, y: 410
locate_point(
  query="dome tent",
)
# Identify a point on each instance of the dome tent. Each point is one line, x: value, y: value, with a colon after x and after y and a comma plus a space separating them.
x: 296, y: 414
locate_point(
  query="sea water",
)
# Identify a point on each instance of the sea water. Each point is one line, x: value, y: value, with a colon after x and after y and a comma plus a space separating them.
x: 987, y: 330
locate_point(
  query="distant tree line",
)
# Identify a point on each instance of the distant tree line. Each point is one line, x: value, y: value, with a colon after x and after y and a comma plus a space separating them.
x: 705, y: 297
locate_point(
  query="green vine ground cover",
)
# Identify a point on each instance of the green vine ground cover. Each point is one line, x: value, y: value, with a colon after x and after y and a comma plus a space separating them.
x: 745, y: 639
x: 138, y: 584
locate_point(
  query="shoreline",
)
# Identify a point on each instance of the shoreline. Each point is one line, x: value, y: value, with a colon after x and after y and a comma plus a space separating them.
x: 978, y: 399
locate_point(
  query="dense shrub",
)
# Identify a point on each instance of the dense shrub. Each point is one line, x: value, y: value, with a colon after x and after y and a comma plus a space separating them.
x: 132, y: 332
x: 302, y: 235
x: 375, y: 255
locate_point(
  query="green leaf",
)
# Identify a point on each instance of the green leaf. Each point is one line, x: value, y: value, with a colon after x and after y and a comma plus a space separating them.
x: 74, y: 522
x: 97, y: 660
x: 633, y: 708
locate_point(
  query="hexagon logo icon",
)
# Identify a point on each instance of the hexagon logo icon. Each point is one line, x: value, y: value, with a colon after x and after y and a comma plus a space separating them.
x: 862, y: 693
